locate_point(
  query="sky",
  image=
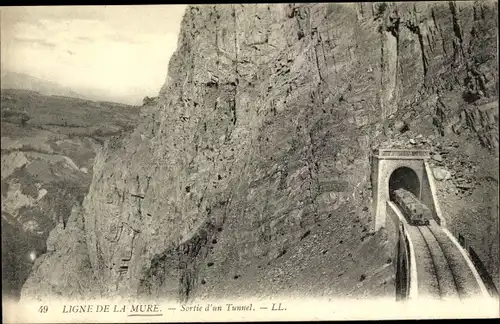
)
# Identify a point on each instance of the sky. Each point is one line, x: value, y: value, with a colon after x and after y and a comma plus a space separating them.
x: 120, y: 51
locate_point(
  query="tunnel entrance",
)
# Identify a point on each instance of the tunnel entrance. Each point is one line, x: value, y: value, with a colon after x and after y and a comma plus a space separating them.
x: 404, y: 178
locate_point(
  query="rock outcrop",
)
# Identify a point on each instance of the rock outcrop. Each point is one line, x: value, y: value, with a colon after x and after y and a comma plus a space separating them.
x: 251, y: 175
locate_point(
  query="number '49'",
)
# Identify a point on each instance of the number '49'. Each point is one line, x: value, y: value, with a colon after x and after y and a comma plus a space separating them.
x: 43, y: 309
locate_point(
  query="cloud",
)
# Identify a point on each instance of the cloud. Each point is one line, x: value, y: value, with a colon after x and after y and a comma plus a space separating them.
x: 123, y: 51
x: 84, y: 39
x: 87, y: 31
x: 33, y: 14
x: 35, y: 41
x: 61, y: 25
x: 123, y: 38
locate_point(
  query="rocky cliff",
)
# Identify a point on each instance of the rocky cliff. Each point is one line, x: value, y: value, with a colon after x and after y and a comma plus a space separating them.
x: 251, y: 175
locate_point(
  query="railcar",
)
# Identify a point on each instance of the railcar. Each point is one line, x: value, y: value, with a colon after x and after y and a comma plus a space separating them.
x: 412, y: 208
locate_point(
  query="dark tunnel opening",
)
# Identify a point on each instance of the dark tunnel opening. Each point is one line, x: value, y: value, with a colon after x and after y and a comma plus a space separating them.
x: 404, y: 178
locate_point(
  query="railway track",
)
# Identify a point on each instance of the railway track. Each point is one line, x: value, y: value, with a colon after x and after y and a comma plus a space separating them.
x: 443, y: 271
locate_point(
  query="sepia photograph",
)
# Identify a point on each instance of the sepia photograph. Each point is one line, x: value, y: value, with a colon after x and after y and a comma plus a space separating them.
x: 250, y: 161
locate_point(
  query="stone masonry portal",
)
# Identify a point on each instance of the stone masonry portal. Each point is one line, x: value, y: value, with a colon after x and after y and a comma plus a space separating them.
x: 401, y: 168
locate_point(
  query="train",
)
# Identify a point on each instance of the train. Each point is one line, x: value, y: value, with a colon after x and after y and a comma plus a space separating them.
x: 415, y: 211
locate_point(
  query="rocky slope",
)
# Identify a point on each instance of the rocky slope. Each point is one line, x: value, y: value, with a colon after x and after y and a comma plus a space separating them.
x: 251, y: 175
x: 48, y: 150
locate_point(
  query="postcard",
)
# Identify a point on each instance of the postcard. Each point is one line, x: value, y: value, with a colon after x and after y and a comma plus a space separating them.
x: 250, y: 162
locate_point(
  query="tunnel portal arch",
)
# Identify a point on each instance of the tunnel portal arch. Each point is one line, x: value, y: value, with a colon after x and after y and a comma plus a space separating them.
x: 406, y: 178
x: 396, y: 168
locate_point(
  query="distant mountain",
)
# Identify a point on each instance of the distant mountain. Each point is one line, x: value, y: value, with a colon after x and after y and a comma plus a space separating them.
x: 14, y: 80
x: 21, y: 81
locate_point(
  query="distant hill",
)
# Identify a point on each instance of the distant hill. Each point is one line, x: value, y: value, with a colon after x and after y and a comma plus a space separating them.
x: 14, y: 80
x: 21, y: 81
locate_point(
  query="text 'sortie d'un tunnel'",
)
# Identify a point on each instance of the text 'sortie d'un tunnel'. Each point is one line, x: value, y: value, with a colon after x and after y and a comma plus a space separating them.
x: 429, y: 261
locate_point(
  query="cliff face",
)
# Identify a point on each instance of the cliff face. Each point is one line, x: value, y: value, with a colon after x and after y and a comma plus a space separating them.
x: 251, y: 175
